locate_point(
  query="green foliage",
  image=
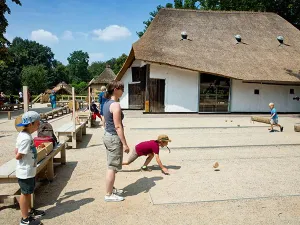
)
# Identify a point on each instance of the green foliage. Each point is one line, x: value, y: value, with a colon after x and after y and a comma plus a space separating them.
x: 148, y: 22
x: 178, y: 4
x: 4, y: 55
x: 80, y: 87
x: 288, y: 9
x: 96, y: 68
x: 34, y: 77
x: 78, y: 66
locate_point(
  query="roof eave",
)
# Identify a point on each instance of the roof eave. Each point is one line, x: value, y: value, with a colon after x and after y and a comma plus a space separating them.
x: 126, y: 65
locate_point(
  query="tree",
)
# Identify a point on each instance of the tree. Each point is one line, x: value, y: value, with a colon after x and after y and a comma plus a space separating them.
x: 288, y: 9
x: 79, y: 87
x: 96, y: 68
x: 61, y: 73
x: 3, y: 25
x: 119, y: 63
x: 78, y: 66
x: 34, y: 77
x: 26, y: 53
x: 178, y: 4
x: 152, y: 16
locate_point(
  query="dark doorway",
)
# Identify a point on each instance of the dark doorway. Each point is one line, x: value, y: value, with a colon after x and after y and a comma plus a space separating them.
x: 136, y: 96
x: 136, y: 89
x: 157, y: 95
x: 214, y: 93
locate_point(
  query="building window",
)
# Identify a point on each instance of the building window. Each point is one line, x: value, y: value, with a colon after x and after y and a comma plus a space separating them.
x: 292, y: 91
x: 256, y: 91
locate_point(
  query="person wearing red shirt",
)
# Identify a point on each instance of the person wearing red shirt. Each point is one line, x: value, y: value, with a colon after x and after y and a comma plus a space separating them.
x: 150, y: 149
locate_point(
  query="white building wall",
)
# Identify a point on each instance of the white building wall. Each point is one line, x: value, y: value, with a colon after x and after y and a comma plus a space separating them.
x: 182, y: 88
x: 243, y: 98
x: 126, y: 79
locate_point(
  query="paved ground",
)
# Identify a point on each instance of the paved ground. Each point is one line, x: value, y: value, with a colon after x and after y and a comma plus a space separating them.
x: 258, y: 181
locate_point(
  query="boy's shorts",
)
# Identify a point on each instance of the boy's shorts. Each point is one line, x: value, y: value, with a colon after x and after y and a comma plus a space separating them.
x: 27, y: 185
x: 114, y: 151
x: 132, y: 157
x: 274, y: 121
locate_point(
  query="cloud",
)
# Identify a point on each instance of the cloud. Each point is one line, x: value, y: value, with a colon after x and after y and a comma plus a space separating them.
x: 67, y: 35
x: 111, y: 33
x: 43, y: 37
x: 96, y: 57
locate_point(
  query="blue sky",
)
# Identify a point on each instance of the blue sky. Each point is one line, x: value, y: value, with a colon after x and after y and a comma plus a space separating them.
x: 103, y: 28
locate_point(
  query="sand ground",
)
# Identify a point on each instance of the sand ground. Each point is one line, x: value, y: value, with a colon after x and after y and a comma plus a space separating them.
x: 258, y: 181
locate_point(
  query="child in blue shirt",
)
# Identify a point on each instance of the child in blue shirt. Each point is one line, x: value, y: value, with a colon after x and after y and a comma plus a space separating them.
x: 274, y: 118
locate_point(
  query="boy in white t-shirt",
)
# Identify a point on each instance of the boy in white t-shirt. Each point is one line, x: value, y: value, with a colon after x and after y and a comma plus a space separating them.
x: 26, y: 156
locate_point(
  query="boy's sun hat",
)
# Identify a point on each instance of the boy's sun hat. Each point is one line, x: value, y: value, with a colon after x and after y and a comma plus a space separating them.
x: 164, y: 137
x: 28, y: 118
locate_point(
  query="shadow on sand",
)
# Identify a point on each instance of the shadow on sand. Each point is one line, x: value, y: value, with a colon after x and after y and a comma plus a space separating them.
x: 61, y: 207
x: 48, y: 194
x: 142, y: 185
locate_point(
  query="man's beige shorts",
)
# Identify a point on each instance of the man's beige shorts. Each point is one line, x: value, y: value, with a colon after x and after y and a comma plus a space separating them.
x: 114, y: 151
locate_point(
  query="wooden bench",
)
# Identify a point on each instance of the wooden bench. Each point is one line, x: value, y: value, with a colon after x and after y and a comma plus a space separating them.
x: 73, y: 132
x: 8, y: 114
x: 57, y: 112
x: 85, y: 117
x: 8, y: 171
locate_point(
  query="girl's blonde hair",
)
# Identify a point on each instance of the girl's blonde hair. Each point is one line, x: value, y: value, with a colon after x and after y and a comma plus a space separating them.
x: 103, y: 88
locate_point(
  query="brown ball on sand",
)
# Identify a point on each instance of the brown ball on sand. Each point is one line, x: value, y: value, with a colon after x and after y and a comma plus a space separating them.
x: 216, y: 165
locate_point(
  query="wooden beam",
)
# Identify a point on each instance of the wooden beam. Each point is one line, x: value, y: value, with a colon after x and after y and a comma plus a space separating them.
x: 89, y: 102
x: 25, y: 98
x: 147, y: 98
x: 261, y: 119
x: 74, y: 108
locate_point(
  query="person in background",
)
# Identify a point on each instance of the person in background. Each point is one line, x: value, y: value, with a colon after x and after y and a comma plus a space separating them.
x: 53, y: 99
x: 20, y: 96
x: 11, y: 99
x: 102, y: 100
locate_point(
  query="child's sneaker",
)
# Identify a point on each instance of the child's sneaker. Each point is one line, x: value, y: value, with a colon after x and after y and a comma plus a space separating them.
x: 36, y: 213
x: 113, y: 198
x: 146, y: 168
x: 30, y: 221
x: 117, y: 191
x: 281, y: 129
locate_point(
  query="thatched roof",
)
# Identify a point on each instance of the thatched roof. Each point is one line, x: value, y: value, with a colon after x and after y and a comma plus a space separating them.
x: 213, y: 49
x: 105, y: 77
x: 62, y: 87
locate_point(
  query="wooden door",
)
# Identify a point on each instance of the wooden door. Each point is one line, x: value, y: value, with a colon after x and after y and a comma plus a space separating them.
x: 136, y: 96
x: 157, y: 95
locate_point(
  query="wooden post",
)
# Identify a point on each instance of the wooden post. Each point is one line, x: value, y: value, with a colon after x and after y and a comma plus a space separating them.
x: 89, y: 101
x: 147, y: 94
x: 25, y: 98
x: 74, y: 108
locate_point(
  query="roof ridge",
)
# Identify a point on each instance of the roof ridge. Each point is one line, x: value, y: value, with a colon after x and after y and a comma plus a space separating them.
x: 218, y: 11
